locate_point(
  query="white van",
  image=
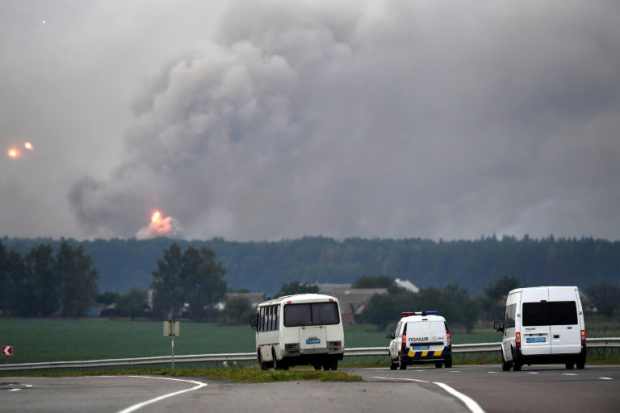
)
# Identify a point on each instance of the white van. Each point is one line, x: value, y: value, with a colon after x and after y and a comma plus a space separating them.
x: 420, y: 337
x: 303, y: 329
x: 543, y: 325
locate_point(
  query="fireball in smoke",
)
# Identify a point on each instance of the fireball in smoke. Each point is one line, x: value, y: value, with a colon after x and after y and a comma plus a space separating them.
x: 160, y: 227
x: 13, y: 153
x: 156, y: 217
x: 29, y: 146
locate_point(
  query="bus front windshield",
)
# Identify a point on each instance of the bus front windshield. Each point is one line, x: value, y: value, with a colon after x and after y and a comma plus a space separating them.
x: 312, y: 314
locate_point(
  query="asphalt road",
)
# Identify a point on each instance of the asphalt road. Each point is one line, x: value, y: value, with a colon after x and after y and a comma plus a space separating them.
x: 421, y: 389
x: 548, y: 388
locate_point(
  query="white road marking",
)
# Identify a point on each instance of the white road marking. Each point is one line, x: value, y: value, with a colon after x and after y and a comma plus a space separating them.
x: 469, y: 402
x: 15, y: 390
x: 570, y: 374
x: 492, y: 372
x: 605, y: 378
x: 165, y: 396
x: 454, y: 371
x: 398, y: 378
x: 532, y: 372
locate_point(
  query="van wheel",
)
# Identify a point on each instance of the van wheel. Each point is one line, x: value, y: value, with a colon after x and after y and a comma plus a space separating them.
x: 570, y: 366
x: 506, y: 365
x: 438, y: 364
x: 401, y: 364
x: 517, y: 367
x: 581, y: 364
x: 393, y: 365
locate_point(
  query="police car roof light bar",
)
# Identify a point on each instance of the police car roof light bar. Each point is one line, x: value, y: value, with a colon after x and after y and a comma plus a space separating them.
x: 408, y: 313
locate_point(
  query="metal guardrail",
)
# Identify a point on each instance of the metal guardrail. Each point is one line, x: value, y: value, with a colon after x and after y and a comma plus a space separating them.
x: 597, y: 343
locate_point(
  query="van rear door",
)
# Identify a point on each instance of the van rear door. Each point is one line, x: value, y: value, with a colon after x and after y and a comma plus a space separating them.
x: 564, y: 320
x: 426, y: 335
x: 535, y: 329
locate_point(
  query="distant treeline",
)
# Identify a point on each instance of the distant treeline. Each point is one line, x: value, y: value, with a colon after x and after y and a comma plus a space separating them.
x: 266, y: 266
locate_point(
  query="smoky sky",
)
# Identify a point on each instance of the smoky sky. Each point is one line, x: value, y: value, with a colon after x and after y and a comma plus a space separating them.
x: 274, y: 119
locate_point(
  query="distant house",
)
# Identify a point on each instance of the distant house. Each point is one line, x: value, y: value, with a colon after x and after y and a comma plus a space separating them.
x: 407, y: 285
x: 353, y: 301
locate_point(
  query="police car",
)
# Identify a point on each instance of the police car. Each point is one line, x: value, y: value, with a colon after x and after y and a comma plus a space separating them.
x: 420, y: 337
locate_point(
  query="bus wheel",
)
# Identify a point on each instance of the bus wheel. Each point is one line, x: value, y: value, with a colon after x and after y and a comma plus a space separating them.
x: 263, y: 366
x: 279, y: 364
x: 317, y: 366
x: 335, y: 365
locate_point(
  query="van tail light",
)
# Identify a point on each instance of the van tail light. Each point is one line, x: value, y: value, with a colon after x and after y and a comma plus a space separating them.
x: 518, y: 340
x: 448, y: 339
x: 583, y: 337
x: 404, y: 343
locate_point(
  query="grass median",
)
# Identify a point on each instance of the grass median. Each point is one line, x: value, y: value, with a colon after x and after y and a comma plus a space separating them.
x: 233, y: 374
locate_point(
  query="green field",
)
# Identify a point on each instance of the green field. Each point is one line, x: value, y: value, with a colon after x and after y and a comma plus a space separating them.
x: 42, y: 340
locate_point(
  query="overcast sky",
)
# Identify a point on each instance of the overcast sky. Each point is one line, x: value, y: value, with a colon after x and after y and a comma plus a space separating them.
x: 264, y: 120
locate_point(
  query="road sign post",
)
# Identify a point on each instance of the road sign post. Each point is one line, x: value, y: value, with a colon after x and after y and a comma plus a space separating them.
x: 172, y: 329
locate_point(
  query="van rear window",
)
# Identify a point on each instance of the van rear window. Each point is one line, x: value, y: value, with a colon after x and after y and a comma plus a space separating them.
x: 550, y: 313
x: 314, y: 314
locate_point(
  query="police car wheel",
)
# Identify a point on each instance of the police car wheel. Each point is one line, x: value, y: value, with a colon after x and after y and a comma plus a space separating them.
x: 448, y: 363
x: 438, y: 364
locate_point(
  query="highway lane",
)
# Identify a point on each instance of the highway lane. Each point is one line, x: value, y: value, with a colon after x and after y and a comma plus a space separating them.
x: 122, y: 394
x: 417, y: 389
x: 535, y: 389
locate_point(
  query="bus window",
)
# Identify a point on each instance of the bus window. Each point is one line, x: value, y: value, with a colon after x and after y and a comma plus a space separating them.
x: 300, y: 315
x: 277, y: 317
x: 325, y: 313
x: 271, y: 318
x: 297, y: 315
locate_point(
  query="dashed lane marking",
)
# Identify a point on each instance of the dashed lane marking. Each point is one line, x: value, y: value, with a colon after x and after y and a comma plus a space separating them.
x: 605, y: 378
x: 570, y: 374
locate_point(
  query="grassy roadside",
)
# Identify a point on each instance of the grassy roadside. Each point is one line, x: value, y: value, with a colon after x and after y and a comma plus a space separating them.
x: 236, y: 375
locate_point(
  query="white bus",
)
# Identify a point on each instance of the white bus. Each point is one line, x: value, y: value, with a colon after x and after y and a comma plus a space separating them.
x: 303, y: 329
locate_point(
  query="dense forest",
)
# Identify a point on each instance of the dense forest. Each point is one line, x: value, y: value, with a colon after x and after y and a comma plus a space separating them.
x: 266, y: 266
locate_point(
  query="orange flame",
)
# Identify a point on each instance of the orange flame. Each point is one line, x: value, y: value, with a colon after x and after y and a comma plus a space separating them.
x: 13, y: 153
x: 156, y: 216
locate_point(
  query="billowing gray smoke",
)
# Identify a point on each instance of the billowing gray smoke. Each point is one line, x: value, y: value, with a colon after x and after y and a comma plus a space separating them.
x: 430, y: 119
